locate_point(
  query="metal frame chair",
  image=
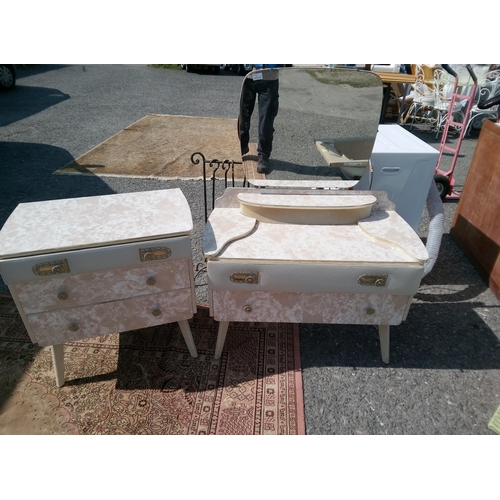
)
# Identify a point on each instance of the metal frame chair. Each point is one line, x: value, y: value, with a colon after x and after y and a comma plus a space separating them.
x: 489, y: 86
x: 422, y: 107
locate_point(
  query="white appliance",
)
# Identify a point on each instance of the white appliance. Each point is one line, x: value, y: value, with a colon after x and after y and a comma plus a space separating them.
x: 403, y: 166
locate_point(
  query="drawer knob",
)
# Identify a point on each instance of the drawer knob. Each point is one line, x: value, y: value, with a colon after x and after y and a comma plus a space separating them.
x: 150, y: 281
x: 248, y: 309
x: 62, y: 296
x: 248, y: 278
x: 156, y: 312
x: 74, y: 327
x: 147, y: 254
x: 370, y: 311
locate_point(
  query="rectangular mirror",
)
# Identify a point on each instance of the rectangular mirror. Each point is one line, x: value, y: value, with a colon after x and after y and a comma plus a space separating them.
x: 325, y: 124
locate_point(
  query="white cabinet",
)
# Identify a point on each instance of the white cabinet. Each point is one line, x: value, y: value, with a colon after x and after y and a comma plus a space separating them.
x: 84, y: 267
x: 403, y: 166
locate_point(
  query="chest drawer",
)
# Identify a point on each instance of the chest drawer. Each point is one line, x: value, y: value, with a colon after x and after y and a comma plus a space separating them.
x: 75, y: 323
x: 106, y: 258
x: 296, y: 307
x: 90, y: 288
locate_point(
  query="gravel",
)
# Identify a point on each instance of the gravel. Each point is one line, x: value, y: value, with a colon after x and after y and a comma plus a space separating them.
x: 444, y: 375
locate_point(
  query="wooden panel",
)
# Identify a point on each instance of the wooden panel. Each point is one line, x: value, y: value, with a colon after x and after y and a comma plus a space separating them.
x: 475, y: 227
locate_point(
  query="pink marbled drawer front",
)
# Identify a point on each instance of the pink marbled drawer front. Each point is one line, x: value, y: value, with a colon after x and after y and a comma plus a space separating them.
x: 299, y: 307
x: 67, y: 325
x: 103, y: 286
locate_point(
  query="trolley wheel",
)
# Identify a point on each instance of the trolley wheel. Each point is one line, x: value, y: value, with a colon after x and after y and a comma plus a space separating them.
x: 443, y: 185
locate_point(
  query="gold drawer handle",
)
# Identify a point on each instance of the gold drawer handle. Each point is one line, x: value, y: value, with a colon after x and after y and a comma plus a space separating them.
x: 370, y: 311
x: 248, y: 309
x: 151, y: 282
x: 157, y: 253
x: 74, y: 327
x: 62, y: 296
x: 156, y: 312
x: 248, y: 278
x: 54, y: 267
x: 373, y: 279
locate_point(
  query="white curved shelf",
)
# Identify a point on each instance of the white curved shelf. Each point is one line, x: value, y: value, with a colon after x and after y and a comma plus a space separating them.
x: 306, y: 208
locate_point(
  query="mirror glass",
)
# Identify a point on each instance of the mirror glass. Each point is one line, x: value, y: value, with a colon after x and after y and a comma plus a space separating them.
x: 325, y: 125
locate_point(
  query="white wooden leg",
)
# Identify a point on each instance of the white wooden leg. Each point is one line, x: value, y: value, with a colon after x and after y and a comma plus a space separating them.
x: 221, y: 337
x: 383, y: 332
x: 188, y: 337
x: 58, y: 361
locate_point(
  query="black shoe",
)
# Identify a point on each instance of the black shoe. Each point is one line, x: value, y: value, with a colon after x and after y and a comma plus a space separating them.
x: 263, y: 165
x: 244, y: 150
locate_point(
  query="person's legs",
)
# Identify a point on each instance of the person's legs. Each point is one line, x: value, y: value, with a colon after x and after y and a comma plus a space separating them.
x: 268, y: 109
x: 247, y: 104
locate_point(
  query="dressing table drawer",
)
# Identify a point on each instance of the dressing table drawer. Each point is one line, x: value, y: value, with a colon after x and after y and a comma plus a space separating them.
x: 104, y: 286
x: 302, y: 277
x: 300, y: 307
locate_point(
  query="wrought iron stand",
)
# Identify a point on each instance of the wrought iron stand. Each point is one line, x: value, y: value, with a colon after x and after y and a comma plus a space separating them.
x: 227, y: 167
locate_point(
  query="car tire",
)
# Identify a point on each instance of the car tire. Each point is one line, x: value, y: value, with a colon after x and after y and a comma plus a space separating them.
x: 7, y: 77
x: 188, y: 67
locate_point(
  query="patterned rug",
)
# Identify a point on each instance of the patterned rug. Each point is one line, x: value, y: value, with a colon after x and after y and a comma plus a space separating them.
x: 145, y: 381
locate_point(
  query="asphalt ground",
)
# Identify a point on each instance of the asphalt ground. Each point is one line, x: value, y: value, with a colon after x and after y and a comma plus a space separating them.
x: 444, y: 375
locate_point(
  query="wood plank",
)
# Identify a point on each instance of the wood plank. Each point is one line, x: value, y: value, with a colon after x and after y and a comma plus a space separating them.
x: 475, y: 226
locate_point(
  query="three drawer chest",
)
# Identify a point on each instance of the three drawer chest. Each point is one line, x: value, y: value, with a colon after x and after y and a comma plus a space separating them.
x: 84, y: 267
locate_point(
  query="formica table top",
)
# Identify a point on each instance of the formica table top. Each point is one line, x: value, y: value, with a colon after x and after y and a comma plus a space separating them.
x: 383, y: 237
x: 75, y: 223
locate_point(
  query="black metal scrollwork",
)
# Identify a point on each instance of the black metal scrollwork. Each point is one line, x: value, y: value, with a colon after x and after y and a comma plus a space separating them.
x: 227, y: 166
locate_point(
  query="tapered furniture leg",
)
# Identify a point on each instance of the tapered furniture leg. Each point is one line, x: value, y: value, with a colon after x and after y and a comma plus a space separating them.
x: 383, y: 332
x: 221, y: 337
x: 188, y: 337
x: 58, y: 361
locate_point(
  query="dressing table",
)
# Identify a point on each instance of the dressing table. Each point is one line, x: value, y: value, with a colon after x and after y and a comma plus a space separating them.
x: 327, y: 254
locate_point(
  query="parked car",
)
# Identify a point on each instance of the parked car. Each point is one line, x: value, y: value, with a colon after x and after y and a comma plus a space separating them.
x: 197, y: 67
x: 7, y: 76
x: 241, y: 69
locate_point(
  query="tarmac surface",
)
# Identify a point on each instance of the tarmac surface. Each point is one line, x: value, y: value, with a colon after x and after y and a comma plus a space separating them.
x: 444, y: 375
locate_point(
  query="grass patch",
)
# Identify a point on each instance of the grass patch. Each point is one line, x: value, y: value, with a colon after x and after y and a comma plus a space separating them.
x: 357, y: 79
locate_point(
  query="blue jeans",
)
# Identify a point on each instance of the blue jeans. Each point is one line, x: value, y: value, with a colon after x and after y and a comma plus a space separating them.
x: 268, y: 97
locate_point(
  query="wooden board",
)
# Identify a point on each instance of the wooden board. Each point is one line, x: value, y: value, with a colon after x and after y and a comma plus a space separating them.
x: 476, y: 228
